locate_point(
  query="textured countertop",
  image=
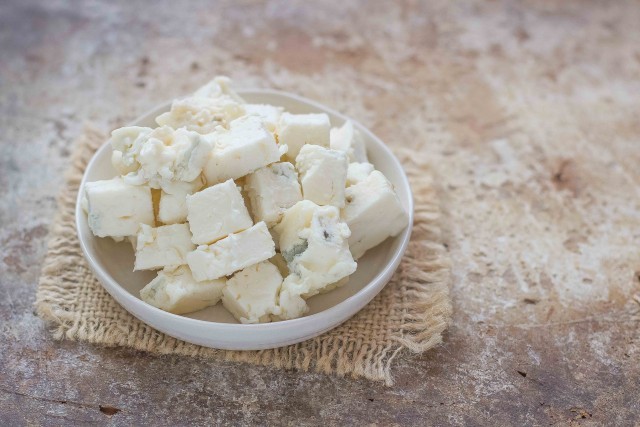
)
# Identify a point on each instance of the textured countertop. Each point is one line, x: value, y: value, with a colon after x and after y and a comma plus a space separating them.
x: 529, y: 114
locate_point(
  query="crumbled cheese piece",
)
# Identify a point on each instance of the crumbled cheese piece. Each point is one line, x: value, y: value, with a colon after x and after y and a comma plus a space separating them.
x: 218, y: 87
x: 323, y: 175
x: 251, y: 295
x: 127, y: 143
x: 116, y: 209
x: 217, y: 211
x: 372, y: 201
x: 161, y: 156
x: 232, y: 253
x: 173, y: 200
x: 296, y: 130
x: 272, y: 189
x: 176, y: 291
x: 313, y: 241
x: 270, y: 114
x: 246, y: 146
x: 201, y: 115
x: 357, y: 172
x: 165, y: 246
x: 348, y: 140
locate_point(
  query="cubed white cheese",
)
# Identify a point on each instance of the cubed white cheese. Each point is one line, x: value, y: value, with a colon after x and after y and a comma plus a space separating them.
x: 176, y: 291
x: 372, y: 201
x: 217, y: 211
x: 173, y: 200
x: 165, y: 246
x: 349, y: 140
x: 201, y: 114
x: 117, y: 209
x: 357, y: 172
x: 251, y: 295
x: 323, y: 175
x: 127, y: 143
x: 246, y: 146
x: 162, y: 156
x: 232, y: 253
x: 220, y: 86
x: 313, y: 241
x: 296, y: 130
x: 270, y: 114
x: 272, y: 189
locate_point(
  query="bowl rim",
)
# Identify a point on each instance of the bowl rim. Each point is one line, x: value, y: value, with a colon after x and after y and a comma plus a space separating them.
x: 324, y: 317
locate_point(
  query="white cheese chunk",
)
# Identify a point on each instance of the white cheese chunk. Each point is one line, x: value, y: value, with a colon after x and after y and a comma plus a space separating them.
x: 296, y: 130
x: 323, y: 175
x: 271, y: 190
x: 161, y: 156
x: 117, y: 209
x: 313, y: 241
x: 372, y: 201
x: 246, y: 146
x: 217, y: 211
x: 349, y: 140
x: 201, y: 114
x: 270, y: 114
x: 233, y: 253
x: 357, y: 172
x: 165, y: 246
x: 220, y: 86
x: 176, y: 291
x: 173, y: 200
x: 251, y: 295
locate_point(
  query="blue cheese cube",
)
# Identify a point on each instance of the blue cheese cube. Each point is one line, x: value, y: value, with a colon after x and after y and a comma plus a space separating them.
x: 323, y: 175
x: 269, y: 114
x: 245, y: 147
x: 313, y: 241
x: 165, y: 246
x: 348, y: 140
x: 251, y: 295
x: 296, y: 130
x: 357, y: 172
x: 200, y: 114
x: 117, y: 209
x: 173, y: 200
x: 216, y: 212
x: 233, y: 253
x: 272, y: 190
x: 372, y: 201
x: 176, y: 291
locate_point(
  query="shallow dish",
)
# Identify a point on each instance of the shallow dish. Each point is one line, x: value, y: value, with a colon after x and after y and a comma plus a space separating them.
x: 214, y: 326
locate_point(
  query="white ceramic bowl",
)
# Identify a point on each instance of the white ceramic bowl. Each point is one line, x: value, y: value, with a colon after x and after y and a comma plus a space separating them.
x: 215, y: 327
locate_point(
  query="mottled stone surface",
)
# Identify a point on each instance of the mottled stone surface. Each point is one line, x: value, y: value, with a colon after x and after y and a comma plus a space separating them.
x: 530, y: 113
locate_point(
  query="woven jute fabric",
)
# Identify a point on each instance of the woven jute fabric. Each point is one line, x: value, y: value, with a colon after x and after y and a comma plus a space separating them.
x: 409, y: 315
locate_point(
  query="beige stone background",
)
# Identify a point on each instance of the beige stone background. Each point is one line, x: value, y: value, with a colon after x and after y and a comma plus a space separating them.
x: 530, y: 115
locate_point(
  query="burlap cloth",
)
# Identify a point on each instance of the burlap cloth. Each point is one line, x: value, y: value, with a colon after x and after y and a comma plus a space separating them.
x: 411, y: 312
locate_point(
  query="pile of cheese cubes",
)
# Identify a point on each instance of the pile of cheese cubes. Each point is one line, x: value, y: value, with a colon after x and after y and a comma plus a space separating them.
x: 243, y: 203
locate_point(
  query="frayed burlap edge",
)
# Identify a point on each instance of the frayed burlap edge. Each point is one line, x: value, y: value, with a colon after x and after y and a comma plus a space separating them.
x: 411, y: 313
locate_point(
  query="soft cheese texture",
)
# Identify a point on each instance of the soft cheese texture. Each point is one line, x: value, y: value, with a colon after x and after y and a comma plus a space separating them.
x: 269, y: 114
x: 163, y: 246
x: 177, y: 292
x: 272, y: 190
x: 233, y: 253
x: 313, y: 241
x: 161, y: 156
x: 201, y: 114
x: 357, y: 172
x: 372, y: 201
x: 246, y: 146
x: 323, y: 174
x: 348, y: 140
x: 173, y: 200
x: 296, y: 130
x: 116, y: 209
x: 217, y: 211
x: 251, y: 295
